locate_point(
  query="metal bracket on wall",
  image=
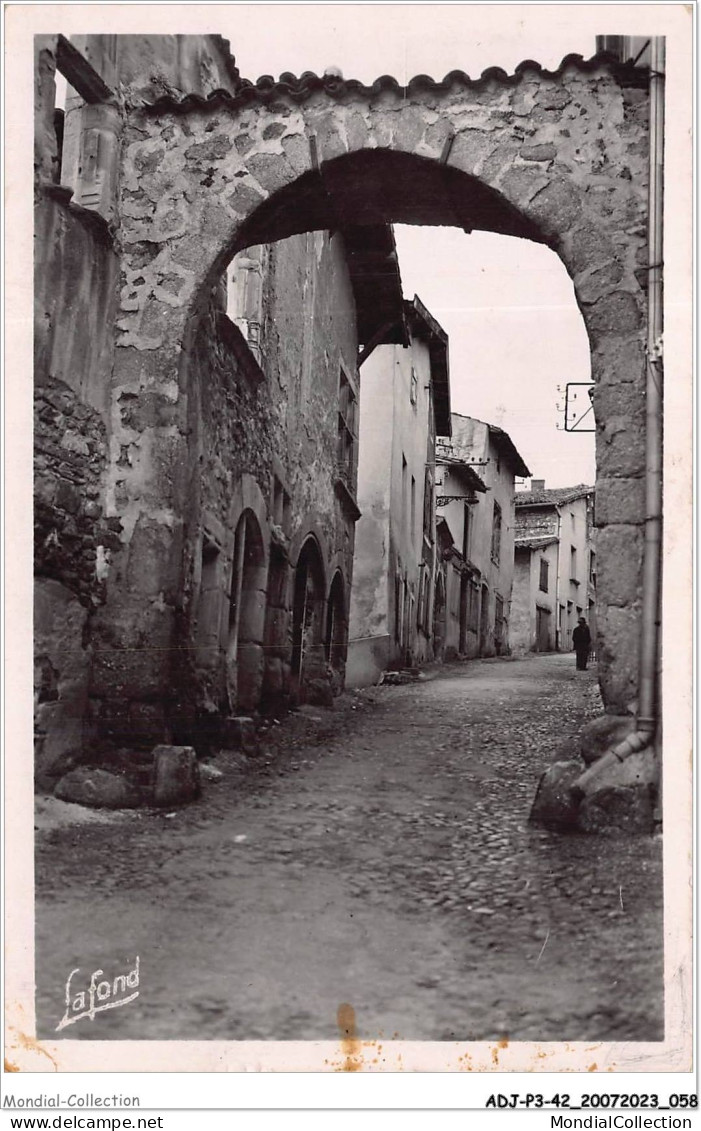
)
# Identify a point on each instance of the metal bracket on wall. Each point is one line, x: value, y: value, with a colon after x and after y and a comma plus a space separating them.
x: 579, y: 408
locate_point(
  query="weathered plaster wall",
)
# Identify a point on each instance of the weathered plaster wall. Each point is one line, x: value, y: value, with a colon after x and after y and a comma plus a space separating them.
x: 471, y: 441
x: 409, y: 444
x: 309, y: 335
x: 527, y: 596
x: 453, y: 482
x: 572, y: 585
x: 395, y: 430
x: 522, y: 634
x: 370, y: 628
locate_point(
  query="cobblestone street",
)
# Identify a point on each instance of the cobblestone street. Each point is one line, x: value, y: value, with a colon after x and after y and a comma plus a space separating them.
x: 380, y: 855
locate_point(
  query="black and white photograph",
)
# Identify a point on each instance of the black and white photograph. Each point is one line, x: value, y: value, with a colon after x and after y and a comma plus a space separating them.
x: 359, y: 505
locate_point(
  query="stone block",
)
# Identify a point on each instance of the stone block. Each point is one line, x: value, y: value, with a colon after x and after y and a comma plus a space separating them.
x: 410, y: 129
x: 618, y: 633
x: 296, y: 148
x: 271, y: 171
x: 617, y: 810
x: 470, y: 149
x: 98, y: 789
x: 619, y: 564
x: 557, y: 207
x: 619, y: 502
x: 538, y: 152
x: 554, y: 805
x: 522, y: 183
x: 176, y: 775
x: 249, y: 681
x: 601, y: 734
x: 619, y: 313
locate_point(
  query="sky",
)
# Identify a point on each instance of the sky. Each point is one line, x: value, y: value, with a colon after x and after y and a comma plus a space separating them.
x: 507, y: 305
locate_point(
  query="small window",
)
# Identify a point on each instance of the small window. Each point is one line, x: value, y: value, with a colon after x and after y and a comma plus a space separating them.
x: 573, y: 562
x: 413, y: 387
x: 346, y: 446
x: 413, y: 507
x: 544, y: 569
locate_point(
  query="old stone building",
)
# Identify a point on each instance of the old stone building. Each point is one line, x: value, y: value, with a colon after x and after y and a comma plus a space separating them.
x: 266, y: 503
x: 458, y: 627
x: 555, y: 573
x: 166, y: 165
x: 478, y: 592
x: 404, y: 405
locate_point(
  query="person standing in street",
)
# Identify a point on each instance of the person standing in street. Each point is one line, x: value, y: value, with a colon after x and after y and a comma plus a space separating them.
x: 581, y: 638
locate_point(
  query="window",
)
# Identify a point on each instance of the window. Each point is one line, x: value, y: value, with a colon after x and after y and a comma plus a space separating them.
x: 413, y: 387
x: 413, y: 507
x: 405, y: 505
x: 496, y: 534
x: 346, y: 449
x: 573, y: 563
x: 544, y: 569
x: 592, y: 568
x: 245, y: 297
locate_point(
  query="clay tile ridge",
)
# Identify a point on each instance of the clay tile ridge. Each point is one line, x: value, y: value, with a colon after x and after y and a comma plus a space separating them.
x: 267, y: 88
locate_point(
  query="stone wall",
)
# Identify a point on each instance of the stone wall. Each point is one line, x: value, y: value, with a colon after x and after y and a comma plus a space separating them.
x: 559, y: 158
x: 261, y: 447
x: 75, y: 533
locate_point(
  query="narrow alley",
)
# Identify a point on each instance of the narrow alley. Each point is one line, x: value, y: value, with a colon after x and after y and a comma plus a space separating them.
x: 377, y: 854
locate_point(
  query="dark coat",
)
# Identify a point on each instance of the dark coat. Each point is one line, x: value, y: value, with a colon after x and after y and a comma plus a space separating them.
x: 581, y: 637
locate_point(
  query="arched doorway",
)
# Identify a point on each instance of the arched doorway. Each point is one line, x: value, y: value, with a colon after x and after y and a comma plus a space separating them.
x: 308, y: 608
x: 247, y: 598
x: 337, y: 631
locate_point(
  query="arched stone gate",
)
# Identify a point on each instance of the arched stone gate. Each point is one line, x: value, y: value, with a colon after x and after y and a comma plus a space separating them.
x: 560, y: 158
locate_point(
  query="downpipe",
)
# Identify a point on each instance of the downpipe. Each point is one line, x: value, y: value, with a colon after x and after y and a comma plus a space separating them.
x: 647, y: 715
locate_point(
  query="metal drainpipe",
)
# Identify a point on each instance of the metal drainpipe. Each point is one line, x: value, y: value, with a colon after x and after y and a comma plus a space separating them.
x: 558, y: 624
x: 646, y: 720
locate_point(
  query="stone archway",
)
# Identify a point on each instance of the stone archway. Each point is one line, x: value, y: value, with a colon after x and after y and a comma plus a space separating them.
x: 336, y: 635
x: 308, y: 618
x: 560, y: 158
x: 244, y: 651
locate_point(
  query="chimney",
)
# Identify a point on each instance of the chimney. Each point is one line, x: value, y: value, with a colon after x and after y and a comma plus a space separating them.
x: 537, y: 484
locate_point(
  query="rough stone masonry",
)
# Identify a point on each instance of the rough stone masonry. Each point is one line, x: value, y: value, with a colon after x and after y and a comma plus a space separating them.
x: 206, y: 164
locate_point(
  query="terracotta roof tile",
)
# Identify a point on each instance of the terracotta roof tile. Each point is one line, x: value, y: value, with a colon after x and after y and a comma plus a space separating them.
x: 267, y: 88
